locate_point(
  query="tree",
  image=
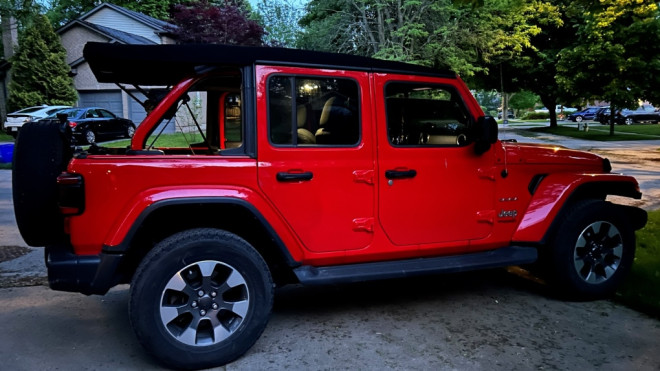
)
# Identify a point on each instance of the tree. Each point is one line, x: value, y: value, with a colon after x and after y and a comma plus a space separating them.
x: 203, y: 22
x: 280, y: 19
x: 62, y: 12
x: 534, y: 68
x: 523, y: 100
x: 39, y: 69
x: 617, y: 53
x: 443, y: 34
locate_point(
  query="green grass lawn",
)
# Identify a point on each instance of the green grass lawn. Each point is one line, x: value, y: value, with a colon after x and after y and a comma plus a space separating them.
x: 602, y: 132
x: 4, y: 137
x: 642, y: 288
x: 176, y: 140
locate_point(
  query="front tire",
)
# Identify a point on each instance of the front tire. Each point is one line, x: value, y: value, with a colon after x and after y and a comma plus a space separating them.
x: 201, y: 298
x: 593, y: 250
x: 628, y: 121
x: 578, y: 119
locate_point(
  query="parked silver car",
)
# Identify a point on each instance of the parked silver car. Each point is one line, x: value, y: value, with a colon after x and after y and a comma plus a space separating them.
x: 16, y: 120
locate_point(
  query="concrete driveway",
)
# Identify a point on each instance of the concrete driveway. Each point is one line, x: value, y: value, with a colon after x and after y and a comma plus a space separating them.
x: 491, y: 320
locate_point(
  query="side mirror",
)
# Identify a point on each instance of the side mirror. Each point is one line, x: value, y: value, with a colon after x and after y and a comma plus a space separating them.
x: 485, y: 134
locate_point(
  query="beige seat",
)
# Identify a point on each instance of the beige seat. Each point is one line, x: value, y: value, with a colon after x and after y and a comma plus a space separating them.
x: 304, y: 136
x: 322, y: 133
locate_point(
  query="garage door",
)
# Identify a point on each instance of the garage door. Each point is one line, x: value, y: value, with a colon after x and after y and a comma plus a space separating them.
x: 135, y: 109
x: 110, y: 100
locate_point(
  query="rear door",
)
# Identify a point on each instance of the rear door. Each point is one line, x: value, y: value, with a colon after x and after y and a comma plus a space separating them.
x: 316, y: 157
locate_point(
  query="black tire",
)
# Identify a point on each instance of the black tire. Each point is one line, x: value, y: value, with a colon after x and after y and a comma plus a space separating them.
x: 185, y: 278
x: 90, y: 136
x: 592, y: 251
x: 578, y: 119
x: 41, y: 153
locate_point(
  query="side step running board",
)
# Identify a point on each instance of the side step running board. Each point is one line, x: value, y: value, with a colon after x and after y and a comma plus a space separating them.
x: 502, y: 257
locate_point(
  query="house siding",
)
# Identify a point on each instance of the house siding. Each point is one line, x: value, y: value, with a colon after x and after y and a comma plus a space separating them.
x: 74, y: 41
x: 110, y: 18
x: 85, y: 80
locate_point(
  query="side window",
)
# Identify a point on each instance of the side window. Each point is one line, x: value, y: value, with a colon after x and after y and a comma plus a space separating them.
x: 206, y: 120
x: 106, y: 114
x: 425, y: 114
x: 313, y: 111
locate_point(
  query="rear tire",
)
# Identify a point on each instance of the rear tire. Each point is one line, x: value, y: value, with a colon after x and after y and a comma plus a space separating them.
x: 201, y: 298
x: 593, y: 250
x: 130, y: 131
x: 41, y: 154
x: 90, y: 136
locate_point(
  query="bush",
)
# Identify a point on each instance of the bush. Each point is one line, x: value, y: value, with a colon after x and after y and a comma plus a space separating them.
x: 536, y: 116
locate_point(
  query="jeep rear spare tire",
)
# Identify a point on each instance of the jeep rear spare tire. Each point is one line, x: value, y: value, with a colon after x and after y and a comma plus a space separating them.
x: 41, y: 153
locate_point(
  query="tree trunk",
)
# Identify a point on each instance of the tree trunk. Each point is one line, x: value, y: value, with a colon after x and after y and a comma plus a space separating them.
x: 550, y: 103
x: 612, y: 119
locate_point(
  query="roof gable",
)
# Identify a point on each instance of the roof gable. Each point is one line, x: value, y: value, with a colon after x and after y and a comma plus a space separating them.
x: 116, y: 23
x: 113, y: 34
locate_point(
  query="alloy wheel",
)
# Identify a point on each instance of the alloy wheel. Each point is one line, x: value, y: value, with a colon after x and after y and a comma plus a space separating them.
x: 204, y: 303
x: 598, y: 252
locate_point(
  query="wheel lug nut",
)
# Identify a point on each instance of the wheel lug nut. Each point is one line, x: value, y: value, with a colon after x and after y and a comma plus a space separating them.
x: 202, y: 312
x: 215, y: 306
x: 200, y: 293
x: 214, y: 294
x: 194, y: 304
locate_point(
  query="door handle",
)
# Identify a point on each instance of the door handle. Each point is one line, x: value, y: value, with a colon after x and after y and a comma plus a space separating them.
x: 284, y: 176
x: 400, y: 174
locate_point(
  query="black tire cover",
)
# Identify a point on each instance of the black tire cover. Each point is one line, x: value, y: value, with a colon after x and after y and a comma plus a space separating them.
x: 41, y: 153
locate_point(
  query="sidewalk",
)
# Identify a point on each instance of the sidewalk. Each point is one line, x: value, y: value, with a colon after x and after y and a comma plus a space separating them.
x: 520, y: 134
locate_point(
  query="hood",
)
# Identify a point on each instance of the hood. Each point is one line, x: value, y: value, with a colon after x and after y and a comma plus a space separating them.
x: 544, y: 154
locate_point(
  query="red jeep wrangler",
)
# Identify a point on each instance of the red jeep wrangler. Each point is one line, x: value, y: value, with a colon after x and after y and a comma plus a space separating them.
x: 258, y: 167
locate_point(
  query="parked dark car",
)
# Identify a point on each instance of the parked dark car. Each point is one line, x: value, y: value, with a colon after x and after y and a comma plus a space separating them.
x: 89, y: 124
x: 510, y: 115
x: 646, y: 113
x: 586, y: 114
x: 602, y: 115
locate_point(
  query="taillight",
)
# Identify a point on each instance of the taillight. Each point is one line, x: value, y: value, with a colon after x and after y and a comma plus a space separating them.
x: 71, y: 194
x: 72, y: 124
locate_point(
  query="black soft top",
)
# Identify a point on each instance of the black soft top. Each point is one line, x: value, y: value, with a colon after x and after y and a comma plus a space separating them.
x: 168, y: 64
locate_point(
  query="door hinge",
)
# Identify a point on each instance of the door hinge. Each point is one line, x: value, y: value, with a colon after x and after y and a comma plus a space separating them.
x: 363, y: 176
x: 486, y: 216
x: 363, y: 225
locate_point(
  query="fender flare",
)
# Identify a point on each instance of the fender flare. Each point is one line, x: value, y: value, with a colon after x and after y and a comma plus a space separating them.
x: 125, y: 244
x: 557, y: 191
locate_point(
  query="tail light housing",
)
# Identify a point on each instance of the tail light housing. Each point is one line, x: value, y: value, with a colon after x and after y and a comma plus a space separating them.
x: 71, y: 194
x: 73, y: 124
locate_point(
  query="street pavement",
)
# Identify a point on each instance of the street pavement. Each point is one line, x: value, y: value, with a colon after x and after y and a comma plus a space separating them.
x: 489, y: 320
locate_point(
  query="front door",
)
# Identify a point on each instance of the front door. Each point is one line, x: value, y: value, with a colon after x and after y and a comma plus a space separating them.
x: 316, y: 160
x: 433, y: 188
